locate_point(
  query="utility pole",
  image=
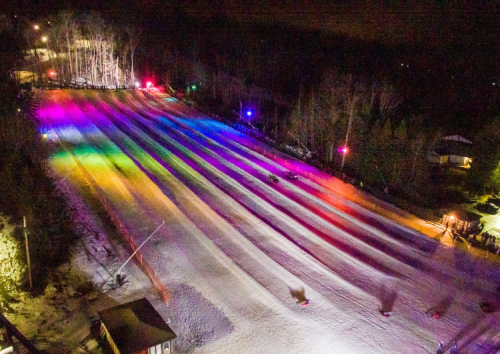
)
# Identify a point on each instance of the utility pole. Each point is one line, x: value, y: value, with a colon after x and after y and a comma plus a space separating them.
x: 27, y: 251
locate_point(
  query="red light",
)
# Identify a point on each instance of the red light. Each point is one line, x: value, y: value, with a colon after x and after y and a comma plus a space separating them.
x: 344, y: 150
x: 149, y: 84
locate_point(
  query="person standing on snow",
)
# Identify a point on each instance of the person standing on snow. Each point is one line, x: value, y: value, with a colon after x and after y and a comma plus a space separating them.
x: 440, y: 348
x: 453, y: 349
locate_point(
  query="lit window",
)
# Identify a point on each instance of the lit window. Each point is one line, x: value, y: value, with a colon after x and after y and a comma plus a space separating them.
x: 166, y: 346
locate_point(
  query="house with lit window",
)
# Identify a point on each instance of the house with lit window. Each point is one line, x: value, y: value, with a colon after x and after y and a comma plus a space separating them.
x: 452, y: 151
x: 136, y: 328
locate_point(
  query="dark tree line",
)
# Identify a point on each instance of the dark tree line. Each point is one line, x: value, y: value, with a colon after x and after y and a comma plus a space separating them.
x: 391, y: 104
x: 25, y: 188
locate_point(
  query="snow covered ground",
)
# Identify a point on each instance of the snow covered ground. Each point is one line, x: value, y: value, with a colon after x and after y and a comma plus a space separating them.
x: 237, y: 251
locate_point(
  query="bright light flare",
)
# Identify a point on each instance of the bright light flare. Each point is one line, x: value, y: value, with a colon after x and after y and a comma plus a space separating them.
x: 249, y: 113
x: 44, y: 39
x: 137, y: 84
x: 36, y: 27
x: 343, y: 150
x: 149, y: 84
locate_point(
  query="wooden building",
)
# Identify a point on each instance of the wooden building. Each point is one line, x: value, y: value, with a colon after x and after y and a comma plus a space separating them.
x: 461, y: 221
x: 136, y: 328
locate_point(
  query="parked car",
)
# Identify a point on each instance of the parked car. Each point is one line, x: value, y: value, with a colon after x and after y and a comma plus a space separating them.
x: 78, y: 83
x: 488, y: 208
x: 96, y: 85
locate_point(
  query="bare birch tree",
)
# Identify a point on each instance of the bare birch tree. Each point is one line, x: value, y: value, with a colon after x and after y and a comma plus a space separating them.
x: 133, y: 34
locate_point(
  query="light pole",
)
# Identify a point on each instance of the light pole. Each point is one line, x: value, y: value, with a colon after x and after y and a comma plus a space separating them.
x: 345, y: 148
x: 33, y: 40
x: 51, y: 76
x: 45, y: 40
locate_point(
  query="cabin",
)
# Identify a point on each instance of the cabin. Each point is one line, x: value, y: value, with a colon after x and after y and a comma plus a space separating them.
x: 462, y: 221
x: 136, y: 328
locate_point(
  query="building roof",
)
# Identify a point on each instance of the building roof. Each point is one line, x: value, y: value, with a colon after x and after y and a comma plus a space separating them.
x: 454, y: 147
x: 457, y: 138
x: 136, y: 326
x: 464, y: 215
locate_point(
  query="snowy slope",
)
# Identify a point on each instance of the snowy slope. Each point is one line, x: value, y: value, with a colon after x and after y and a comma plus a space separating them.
x: 246, y: 245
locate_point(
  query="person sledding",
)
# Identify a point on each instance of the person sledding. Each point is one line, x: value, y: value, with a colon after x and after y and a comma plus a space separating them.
x: 272, y: 178
x: 434, y: 313
x: 487, y: 307
x: 300, y: 296
x: 454, y: 349
x: 385, y: 313
x: 291, y: 175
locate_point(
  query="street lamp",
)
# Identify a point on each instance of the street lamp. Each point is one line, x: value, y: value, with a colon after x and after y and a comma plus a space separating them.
x: 343, y: 150
x: 36, y: 27
x: 44, y: 39
x: 51, y: 76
